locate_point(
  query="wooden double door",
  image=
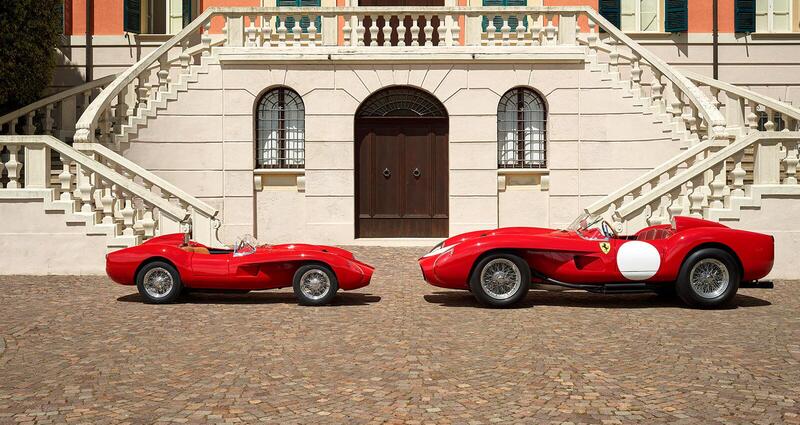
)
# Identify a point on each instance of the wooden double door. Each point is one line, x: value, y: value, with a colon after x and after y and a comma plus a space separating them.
x: 401, y: 177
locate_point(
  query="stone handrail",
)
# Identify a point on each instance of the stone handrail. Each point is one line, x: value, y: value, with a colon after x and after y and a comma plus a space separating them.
x: 701, y: 191
x: 94, y: 188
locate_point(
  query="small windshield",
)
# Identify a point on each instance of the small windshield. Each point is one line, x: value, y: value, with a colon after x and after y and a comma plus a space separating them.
x: 591, y: 227
x: 244, y: 245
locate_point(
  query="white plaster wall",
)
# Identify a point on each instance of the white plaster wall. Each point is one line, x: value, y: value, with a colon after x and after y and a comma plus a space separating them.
x: 43, y: 243
x: 203, y: 142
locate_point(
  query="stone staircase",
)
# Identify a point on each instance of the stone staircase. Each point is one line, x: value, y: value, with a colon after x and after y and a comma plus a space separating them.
x: 727, y: 161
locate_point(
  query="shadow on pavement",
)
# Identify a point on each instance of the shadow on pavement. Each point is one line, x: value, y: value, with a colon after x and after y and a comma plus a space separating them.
x: 587, y: 300
x: 341, y: 299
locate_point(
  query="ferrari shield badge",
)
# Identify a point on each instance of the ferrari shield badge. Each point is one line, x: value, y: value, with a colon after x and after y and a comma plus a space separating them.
x: 605, y: 247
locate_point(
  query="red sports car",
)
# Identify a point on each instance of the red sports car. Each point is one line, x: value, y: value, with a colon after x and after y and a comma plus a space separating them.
x: 163, y: 266
x: 702, y: 261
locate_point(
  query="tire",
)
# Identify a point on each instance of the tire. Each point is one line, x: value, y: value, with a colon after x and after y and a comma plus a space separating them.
x: 315, y: 284
x: 708, y: 278
x: 159, y: 283
x: 498, y: 291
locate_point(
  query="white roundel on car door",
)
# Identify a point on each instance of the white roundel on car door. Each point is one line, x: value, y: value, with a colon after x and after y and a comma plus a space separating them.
x: 638, y: 260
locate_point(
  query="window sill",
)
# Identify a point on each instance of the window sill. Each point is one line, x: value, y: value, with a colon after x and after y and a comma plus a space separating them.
x: 279, y: 179
x: 517, y: 171
x: 784, y: 35
x: 650, y: 34
x: 263, y: 171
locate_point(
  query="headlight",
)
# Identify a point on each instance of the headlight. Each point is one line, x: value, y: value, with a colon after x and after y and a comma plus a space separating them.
x: 439, y: 249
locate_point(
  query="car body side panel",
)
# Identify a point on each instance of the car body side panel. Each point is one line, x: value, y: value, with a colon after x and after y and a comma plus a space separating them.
x: 121, y: 266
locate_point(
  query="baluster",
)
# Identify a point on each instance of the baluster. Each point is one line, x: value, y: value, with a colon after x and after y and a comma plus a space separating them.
x: 692, y: 122
x: 770, y: 124
x: 148, y: 224
x: 107, y: 200
x: 360, y: 30
x: 297, y: 31
x: 591, y: 39
x: 347, y: 30
x: 520, y: 40
x: 205, y: 39
x: 613, y: 60
x: 163, y: 74
x: 105, y: 125
x: 86, y: 189
x: 752, y: 116
x: 636, y: 76
x: 127, y: 218
x: 428, y: 30
x: 2, y: 165
x: 142, y: 89
x: 550, y: 30
x: 677, y: 108
x: 442, y: 30
x: 455, y: 32
x: 401, y: 31
x: 65, y: 178
x: 387, y: 31
x: 414, y: 32
x: 184, y: 58
x: 266, y: 31
x: 312, y: 30
x: 29, y: 127
x: 505, y: 31
x: 48, y: 121
x: 373, y: 32
x: 536, y: 30
x: 697, y: 196
x: 674, y: 207
x: 12, y: 127
x: 251, y: 32
x: 656, y: 92
x: 738, y: 174
x: 490, y: 30
x: 120, y: 110
x: 790, y: 161
x: 138, y: 229
x: 717, y: 185
x: 13, y: 166
x: 282, y: 31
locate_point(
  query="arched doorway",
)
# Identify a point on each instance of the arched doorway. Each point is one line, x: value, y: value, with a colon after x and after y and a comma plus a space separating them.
x: 401, y: 168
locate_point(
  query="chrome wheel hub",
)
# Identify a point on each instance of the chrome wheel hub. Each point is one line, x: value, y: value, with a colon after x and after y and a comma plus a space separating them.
x: 158, y: 282
x: 315, y: 284
x: 709, y: 278
x: 501, y: 279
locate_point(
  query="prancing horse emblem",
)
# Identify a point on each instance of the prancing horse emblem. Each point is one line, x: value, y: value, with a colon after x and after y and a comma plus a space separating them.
x: 605, y: 247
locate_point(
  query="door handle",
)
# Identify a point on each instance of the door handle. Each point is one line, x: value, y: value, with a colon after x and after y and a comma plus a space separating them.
x: 386, y: 173
x: 416, y: 173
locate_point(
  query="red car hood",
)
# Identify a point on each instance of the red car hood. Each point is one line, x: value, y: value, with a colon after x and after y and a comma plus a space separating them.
x: 522, y: 231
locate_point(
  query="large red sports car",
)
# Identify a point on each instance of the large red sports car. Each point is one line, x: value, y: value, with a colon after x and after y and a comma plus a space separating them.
x: 702, y: 261
x: 163, y: 266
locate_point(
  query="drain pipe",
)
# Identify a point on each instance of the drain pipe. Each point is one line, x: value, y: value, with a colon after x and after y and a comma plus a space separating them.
x: 89, y: 55
x: 715, y: 38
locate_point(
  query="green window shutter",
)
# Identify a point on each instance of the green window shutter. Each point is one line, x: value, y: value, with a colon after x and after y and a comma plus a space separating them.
x: 132, y: 16
x: 304, y: 21
x: 610, y: 9
x: 498, y: 20
x: 187, y: 12
x: 744, y: 12
x: 677, y: 15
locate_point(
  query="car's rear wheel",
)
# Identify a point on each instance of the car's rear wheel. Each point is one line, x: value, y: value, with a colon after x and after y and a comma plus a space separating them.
x: 500, y: 280
x: 708, y: 278
x: 315, y: 284
x: 159, y: 283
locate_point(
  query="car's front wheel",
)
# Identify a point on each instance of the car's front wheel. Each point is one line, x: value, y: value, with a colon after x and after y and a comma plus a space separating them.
x: 708, y: 278
x: 500, y: 280
x: 315, y: 284
x: 159, y: 283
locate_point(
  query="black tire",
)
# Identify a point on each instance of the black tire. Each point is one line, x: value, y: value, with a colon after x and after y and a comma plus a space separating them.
x: 515, y: 294
x: 716, y: 261
x: 155, y: 271
x: 306, y: 296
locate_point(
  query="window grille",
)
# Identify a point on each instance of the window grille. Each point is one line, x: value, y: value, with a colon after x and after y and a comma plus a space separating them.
x: 401, y: 101
x: 280, y: 130
x: 521, y: 130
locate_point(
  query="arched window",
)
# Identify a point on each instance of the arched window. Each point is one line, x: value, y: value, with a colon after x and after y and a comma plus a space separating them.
x: 521, y: 130
x: 280, y: 129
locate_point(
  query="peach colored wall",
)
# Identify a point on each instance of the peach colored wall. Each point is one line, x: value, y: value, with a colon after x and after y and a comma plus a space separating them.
x: 107, y: 17
x: 701, y: 16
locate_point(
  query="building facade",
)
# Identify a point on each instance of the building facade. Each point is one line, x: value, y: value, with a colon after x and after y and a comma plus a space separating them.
x: 384, y: 123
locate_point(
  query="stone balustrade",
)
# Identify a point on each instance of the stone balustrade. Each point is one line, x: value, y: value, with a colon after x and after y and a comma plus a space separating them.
x: 106, y: 197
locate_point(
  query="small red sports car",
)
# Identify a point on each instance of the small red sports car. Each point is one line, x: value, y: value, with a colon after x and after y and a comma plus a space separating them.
x: 163, y: 266
x: 703, y: 262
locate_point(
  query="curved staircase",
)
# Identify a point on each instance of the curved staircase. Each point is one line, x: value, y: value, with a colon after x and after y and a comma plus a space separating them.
x: 732, y: 152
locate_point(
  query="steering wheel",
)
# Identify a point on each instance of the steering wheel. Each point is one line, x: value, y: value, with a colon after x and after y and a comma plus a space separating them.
x: 607, y: 230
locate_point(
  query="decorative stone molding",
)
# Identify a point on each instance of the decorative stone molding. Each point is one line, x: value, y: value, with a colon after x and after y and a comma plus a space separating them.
x: 279, y: 178
x: 525, y: 177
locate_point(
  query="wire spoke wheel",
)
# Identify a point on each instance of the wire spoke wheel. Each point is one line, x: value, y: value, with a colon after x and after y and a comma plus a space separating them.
x: 158, y: 282
x: 709, y: 278
x: 315, y: 284
x: 500, y: 279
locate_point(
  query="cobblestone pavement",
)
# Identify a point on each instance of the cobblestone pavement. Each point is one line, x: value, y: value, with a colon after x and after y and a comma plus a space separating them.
x: 399, y: 351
